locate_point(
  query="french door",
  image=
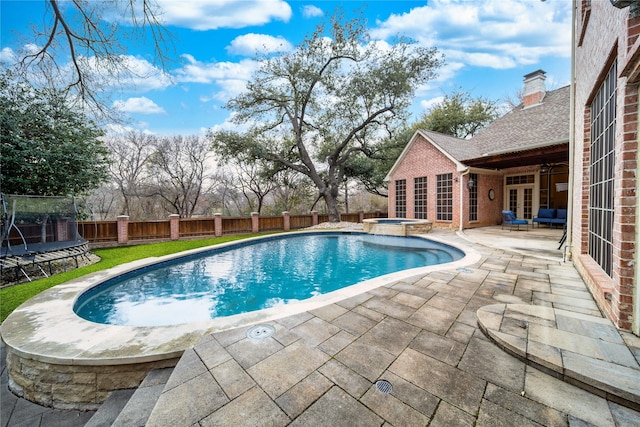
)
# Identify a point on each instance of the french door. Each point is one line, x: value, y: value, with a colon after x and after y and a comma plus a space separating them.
x: 520, y: 201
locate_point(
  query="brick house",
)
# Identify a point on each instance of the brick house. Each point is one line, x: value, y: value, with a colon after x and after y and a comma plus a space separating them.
x: 604, y: 229
x: 518, y: 162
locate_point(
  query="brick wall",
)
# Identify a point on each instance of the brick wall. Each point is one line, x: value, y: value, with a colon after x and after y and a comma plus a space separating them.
x: 607, y: 35
x: 423, y: 159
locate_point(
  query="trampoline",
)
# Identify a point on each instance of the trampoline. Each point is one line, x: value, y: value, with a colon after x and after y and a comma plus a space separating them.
x: 38, y: 231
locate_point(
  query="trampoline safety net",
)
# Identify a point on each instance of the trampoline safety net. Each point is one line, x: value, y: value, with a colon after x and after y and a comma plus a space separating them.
x: 37, y: 224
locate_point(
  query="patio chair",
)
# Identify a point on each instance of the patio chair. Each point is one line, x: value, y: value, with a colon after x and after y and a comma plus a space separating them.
x: 509, y: 218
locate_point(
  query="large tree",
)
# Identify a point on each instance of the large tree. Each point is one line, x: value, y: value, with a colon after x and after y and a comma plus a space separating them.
x: 178, y: 172
x: 459, y: 114
x: 334, y: 97
x: 370, y: 171
x: 47, y: 147
x: 130, y: 154
x: 78, y: 46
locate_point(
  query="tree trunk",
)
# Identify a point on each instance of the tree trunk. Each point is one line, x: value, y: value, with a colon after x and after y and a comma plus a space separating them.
x: 43, y: 229
x: 346, y: 197
x: 331, y: 200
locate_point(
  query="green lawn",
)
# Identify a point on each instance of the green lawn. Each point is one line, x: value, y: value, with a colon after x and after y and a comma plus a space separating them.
x: 13, y: 296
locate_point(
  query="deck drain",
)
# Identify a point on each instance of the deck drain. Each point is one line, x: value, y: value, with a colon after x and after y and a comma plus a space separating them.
x: 464, y: 270
x: 260, y: 332
x: 384, y: 386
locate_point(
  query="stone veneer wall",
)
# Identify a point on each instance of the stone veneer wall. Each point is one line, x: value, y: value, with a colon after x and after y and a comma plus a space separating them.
x: 78, y: 387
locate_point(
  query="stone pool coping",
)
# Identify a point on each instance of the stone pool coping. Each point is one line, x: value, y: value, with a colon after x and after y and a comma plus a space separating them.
x: 46, y: 330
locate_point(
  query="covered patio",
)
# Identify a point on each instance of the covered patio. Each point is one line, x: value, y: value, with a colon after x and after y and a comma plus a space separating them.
x: 541, y: 242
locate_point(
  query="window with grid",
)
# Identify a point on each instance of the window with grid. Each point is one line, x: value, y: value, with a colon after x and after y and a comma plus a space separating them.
x: 444, y: 197
x: 401, y: 198
x: 520, y: 179
x: 420, y: 197
x: 473, y: 197
x: 601, y: 172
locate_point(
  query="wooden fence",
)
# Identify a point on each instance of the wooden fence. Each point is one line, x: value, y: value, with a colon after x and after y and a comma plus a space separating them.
x: 123, y: 230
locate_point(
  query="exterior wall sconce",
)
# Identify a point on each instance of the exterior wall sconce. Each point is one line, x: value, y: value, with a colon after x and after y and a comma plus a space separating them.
x: 470, y: 184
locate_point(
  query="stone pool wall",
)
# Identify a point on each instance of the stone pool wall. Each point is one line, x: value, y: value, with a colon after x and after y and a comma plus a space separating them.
x: 408, y: 228
x: 80, y: 387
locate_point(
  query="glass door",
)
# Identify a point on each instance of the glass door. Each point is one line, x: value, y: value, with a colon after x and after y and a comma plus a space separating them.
x: 521, y: 201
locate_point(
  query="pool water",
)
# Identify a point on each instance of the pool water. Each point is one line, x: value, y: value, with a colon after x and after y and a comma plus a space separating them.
x: 253, y: 276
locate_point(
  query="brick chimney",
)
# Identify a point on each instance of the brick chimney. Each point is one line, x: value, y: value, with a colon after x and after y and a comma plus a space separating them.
x: 534, y: 88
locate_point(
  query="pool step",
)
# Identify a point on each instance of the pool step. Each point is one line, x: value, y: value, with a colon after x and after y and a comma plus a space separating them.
x: 132, y: 407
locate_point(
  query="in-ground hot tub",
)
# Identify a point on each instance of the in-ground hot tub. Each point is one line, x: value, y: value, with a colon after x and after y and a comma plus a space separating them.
x: 396, y: 226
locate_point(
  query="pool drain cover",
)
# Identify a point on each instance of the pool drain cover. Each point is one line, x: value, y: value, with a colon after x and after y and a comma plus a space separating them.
x: 260, y: 332
x: 384, y: 386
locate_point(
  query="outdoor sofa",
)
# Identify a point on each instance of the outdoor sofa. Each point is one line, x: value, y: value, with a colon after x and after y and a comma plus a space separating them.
x: 551, y: 217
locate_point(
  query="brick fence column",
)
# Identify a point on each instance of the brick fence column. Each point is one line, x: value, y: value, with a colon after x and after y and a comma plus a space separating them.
x: 217, y: 224
x: 255, y: 222
x: 123, y: 228
x: 314, y: 215
x: 287, y: 220
x: 174, y: 226
x: 62, y: 229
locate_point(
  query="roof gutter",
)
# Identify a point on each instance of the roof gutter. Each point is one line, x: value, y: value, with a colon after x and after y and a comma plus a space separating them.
x: 572, y: 134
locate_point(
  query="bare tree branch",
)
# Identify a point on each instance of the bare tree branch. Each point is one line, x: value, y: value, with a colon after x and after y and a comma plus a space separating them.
x: 86, y: 35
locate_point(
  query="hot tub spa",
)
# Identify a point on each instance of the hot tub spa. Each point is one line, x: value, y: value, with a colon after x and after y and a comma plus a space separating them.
x: 396, y: 226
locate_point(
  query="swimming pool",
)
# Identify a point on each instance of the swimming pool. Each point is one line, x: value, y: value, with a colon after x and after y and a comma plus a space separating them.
x: 62, y: 360
x: 254, y: 276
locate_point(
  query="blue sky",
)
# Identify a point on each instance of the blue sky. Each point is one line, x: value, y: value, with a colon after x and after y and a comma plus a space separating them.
x: 489, y: 45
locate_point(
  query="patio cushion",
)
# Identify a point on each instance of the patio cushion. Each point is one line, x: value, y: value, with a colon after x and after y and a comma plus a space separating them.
x: 561, y: 214
x: 547, y: 213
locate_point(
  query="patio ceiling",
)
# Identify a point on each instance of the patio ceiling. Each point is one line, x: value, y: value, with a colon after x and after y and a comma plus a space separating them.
x: 535, y: 156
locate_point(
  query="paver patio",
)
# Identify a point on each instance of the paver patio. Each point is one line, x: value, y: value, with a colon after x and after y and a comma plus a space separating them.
x: 422, y: 336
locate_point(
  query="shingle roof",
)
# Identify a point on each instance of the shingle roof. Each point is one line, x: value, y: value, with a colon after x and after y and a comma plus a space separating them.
x: 522, y: 128
x: 456, y: 147
x: 544, y: 124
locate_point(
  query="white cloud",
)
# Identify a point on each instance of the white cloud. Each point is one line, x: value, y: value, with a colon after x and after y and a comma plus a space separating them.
x: 230, y: 125
x: 199, y: 72
x: 229, y: 88
x: 250, y: 44
x: 205, y: 15
x: 427, y: 104
x: 7, y: 55
x: 497, y: 34
x: 310, y: 11
x: 142, y: 105
x: 132, y: 74
x: 144, y: 76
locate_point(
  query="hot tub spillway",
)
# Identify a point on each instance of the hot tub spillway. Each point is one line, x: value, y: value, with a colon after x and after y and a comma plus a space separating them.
x: 396, y: 226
